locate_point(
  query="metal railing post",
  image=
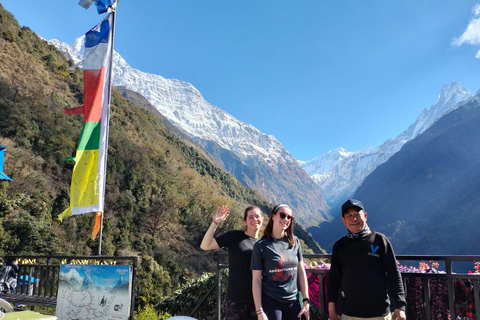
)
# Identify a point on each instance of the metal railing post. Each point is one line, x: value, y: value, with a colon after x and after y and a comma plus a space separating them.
x: 219, y: 287
x: 451, y: 291
x: 426, y: 297
x: 476, y: 295
x: 321, y: 285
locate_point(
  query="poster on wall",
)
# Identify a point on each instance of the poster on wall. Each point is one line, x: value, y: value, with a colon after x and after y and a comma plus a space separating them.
x: 94, y: 292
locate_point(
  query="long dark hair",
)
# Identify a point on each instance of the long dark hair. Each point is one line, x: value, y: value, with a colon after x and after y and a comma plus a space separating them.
x: 268, y: 232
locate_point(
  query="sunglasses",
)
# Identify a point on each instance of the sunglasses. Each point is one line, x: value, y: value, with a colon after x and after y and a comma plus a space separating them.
x: 283, y: 215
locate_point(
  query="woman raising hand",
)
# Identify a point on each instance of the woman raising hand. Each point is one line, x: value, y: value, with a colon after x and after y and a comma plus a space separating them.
x: 239, y: 301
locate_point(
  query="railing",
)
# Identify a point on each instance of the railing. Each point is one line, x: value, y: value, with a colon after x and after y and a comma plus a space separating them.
x: 411, y: 281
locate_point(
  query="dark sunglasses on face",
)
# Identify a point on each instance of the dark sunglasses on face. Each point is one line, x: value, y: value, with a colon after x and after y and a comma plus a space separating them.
x: 283, y: 215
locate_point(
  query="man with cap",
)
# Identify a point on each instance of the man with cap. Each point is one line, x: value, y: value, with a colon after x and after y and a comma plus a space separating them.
x: 363, y: 269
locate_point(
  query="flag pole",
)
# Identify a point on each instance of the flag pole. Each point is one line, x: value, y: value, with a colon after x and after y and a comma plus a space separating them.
x: 110, y: 72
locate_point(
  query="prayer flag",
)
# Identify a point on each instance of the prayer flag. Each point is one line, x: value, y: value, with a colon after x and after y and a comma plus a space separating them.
x: 86, y: 3
x: 96, y: 227
x: 87, y: 190
x: 102, y: 5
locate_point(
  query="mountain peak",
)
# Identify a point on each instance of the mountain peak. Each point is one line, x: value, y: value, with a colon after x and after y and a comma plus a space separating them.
x: 340, y: 151
x: 454, y: 90
x: 454, y: 86
x: 325, y: 162
x: 339, y: 177
x: 79, y: 43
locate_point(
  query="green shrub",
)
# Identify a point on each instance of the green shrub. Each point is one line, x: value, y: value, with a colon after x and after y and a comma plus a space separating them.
x: 148, y: 313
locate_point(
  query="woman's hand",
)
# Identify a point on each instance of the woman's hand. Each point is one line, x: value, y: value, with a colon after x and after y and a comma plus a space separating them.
x: 303, y: 286
x: 262, y: 316
x: 305, y: 310
x: 221, y: 215
x: 208, y: 241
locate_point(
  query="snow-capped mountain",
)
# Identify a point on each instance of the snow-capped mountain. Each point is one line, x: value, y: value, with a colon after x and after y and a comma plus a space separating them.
x: 186, y: 108
x: 71, y: 51
x: 254, y: 158
x: 340, y: 172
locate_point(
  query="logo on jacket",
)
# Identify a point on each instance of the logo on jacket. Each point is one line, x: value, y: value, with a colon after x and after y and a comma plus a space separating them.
x: 374, y: 251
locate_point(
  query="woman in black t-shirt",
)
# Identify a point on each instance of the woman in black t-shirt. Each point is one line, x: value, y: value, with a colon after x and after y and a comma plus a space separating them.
x: 239, y: 301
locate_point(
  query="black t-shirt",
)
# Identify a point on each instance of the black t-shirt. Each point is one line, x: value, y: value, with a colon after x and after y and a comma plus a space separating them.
x: 279, y: 265
x: 240, y: 248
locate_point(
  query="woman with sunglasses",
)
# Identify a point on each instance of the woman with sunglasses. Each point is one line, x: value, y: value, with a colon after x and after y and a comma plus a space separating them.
x: 277, y: 268
x: 239, y: 301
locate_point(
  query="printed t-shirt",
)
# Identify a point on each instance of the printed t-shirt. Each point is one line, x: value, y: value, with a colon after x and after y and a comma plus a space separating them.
x: 279, y: 265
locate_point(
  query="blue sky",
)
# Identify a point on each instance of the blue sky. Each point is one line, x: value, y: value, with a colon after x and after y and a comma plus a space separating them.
x: 315, y: 74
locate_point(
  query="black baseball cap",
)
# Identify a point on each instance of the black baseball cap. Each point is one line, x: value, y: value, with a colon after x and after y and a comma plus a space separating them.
x: 352, y: 203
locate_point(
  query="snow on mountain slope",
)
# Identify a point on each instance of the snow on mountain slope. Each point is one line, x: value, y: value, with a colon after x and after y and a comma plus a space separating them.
x: 326, y: 162
x: 186, y: 108
x: 340, y: 172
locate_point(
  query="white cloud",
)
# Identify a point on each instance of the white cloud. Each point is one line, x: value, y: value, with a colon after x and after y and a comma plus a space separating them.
x: 476, y: 9
x: 471, y: 35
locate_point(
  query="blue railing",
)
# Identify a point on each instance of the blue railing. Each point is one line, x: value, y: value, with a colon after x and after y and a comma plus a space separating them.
x: 443, y: 291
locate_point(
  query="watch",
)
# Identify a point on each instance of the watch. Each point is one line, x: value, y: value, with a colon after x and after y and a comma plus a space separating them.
x: 306, y: 300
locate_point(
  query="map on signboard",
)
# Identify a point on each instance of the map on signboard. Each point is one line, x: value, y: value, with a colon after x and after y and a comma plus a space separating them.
x: 94, y: 292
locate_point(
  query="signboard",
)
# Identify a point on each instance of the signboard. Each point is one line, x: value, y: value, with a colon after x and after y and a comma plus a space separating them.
x: 94, y: 292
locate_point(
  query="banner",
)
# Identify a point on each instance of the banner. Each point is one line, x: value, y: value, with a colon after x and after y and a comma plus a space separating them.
x: 87, y: 190
x: 94, y: 292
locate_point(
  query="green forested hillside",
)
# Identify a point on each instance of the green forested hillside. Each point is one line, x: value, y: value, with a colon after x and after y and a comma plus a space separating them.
x: 161, y: 192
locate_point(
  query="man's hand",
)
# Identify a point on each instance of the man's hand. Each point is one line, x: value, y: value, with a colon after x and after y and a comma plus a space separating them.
x: 399, y: 314
x: 332, y: 314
